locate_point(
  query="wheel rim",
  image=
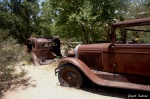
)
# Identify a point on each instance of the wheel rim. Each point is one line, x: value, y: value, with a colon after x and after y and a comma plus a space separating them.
x: 70, y: 77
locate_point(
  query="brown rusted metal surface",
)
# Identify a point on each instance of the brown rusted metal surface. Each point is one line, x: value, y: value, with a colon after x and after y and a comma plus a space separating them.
x: 92, y: 55
x: 114, y: 64
x: 136, y: 22
x: 133, y: 59
x: 70, y: 76
x: 71, y: 53
x: 104, y: 81
x: 130, y: 23
x: 43, y: 49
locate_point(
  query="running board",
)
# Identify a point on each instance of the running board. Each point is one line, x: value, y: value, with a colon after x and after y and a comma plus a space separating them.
x: 118, y: 81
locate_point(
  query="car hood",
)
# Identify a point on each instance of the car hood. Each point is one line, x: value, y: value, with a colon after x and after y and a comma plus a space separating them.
x: 94, y: 47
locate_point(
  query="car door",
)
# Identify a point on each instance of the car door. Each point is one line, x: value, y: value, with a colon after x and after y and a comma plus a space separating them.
x: 132, y: 59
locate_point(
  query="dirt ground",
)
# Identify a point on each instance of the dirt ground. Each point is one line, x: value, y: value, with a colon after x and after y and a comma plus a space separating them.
x: 41, y: 83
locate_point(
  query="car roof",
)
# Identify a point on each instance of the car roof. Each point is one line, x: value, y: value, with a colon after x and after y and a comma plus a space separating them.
x: 135, y: 22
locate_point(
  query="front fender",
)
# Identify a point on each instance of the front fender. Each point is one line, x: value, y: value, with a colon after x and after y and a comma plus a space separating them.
x: 85, y: 69
x: 99, y: 81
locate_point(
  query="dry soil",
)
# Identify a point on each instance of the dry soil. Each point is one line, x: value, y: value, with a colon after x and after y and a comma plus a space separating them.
x: 41, y: 83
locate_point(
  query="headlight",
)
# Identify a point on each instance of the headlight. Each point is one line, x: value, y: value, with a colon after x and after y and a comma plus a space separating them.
x: 76, y: 50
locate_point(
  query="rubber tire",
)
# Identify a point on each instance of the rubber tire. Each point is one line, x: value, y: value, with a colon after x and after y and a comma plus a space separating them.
x: 67, y: 74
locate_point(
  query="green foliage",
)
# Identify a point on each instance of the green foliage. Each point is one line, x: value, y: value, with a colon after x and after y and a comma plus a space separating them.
x: 3, y: 35
x: 138, y: 9
x: 20, y: 18
x: 45, y: 20
x: 84, y: 20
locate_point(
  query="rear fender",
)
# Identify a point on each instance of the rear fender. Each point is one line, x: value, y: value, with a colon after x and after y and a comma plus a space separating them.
x: 85, y: 69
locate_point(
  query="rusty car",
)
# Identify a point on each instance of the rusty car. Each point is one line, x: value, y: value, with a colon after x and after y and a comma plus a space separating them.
x: 43, y: 49
x: 121, y: 63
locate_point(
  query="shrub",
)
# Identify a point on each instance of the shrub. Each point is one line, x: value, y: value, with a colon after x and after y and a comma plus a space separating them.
x: 10, y: 55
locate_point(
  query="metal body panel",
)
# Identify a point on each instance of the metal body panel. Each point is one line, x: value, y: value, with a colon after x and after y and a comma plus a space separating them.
x: 43, y: 49
x: 84, y: 68
x: 136, y: 22
x: 93, y: 54
x: 132, y: 59
x: 115, y: 65
x: 104, y: 81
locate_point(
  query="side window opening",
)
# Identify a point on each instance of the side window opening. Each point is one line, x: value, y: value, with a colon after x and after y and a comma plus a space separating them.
x: 33, y: 44
x: 133, y: 35
x: 46, y: 44
x: 54, y: 44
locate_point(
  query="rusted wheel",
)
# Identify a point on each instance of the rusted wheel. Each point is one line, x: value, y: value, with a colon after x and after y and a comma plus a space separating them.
x: 70, y: 76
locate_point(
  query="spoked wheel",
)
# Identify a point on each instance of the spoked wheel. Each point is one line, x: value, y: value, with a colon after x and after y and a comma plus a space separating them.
x: 70, y: 76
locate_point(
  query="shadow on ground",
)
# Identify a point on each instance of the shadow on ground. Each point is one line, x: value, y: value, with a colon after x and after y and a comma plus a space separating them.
x: 22, y: 83
x: 116, y: 92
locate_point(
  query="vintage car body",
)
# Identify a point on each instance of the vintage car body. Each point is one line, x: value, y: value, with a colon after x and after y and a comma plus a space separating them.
x: 119, y: 65
x: 43, y: 49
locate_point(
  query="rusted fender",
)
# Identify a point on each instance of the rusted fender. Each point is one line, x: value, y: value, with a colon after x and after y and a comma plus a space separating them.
x: 99, y: 81
x: 84, y: 68
x: 36, y: 60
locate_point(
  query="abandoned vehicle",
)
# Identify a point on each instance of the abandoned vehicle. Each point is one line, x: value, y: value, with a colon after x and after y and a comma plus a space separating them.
x: 43, y: 49
x: 123, y: 63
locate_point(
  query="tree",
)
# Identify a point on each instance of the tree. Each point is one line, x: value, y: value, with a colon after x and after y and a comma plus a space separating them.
x: 46, y: 23
x: 138, y: 9
x: 20, y: 17
x: 85, y: 20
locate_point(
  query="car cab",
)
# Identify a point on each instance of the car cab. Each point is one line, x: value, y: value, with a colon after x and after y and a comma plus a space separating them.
x: 122, y: 63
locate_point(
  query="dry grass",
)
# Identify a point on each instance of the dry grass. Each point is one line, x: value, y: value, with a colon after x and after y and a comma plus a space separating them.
x: 10, y: 55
